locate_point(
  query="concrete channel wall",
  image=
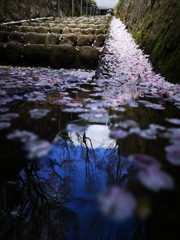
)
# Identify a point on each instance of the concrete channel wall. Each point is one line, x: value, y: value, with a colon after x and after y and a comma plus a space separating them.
x: 13, y: 10
x: 155, y: 25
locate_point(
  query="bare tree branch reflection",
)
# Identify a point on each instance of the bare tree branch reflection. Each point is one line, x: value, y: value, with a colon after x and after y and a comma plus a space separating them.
x: 55, y: 189
x: 41, y: 214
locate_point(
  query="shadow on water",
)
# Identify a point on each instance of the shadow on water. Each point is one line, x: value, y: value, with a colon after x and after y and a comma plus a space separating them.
x: 57, y: 196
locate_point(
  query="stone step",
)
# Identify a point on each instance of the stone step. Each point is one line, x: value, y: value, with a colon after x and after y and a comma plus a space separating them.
x: 60, y: 23
x: 63, y: 23
x: 62, y: 56
x: 56, y: 29
x: 70, y: 25
x: 71, y: 39
x: 95, y: 19
x: 62, y: 43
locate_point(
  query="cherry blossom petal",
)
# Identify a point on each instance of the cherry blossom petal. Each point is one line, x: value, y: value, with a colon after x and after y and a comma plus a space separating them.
x: 4, y: 125
x: 118, y: 134
x: 38, y: 113
x: 116, y: 203
x: 22, y: 135
x: 173, y: 120
x: 37, y: 148
x: 143, y: 160
x: 8, y: 116
x: 75, y: 127
x: 4, y: 109
x: 127, y: 124
x: 156, y: 179
x: 173, y: 154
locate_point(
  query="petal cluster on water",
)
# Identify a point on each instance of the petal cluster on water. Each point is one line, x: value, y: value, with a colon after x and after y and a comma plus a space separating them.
x: 150, y: 174
x: 22, y: 135
x: 35, y: 147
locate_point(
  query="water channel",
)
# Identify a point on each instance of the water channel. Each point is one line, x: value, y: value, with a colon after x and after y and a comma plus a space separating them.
x: 89, y: 155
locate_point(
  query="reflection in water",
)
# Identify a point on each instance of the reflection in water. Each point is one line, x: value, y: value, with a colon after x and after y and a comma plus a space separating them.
x: 58, y: 193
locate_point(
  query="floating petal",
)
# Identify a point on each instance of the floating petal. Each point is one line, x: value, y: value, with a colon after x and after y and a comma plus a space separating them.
x: 4, y: 125
x: 38, y: 113
x: 23, y: 136
x: 37, y: 148
x: 118, y: 134
x: 143, y: 160
x: 76, y: 128
x: 173, y: 120
x: 8, y: 116
x: 127, y: 124
x: 155, y: 179
x: 4, y: 109
x: 116, y: 203
x: 173, y: 154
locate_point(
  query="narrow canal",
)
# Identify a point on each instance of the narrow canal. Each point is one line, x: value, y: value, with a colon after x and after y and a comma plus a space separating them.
x: 90, y: 154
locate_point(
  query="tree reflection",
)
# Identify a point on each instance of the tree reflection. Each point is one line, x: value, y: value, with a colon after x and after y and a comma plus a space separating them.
x: 41, y: 214
x: 57, y: 193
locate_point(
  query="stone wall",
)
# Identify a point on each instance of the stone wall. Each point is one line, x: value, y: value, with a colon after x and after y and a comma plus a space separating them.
x: 13, y: 10
x: 155, y: 25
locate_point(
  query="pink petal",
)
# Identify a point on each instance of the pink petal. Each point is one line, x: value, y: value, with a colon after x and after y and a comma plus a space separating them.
x: 118, y: 134
x: 116, y: 203
x: 143, y: 160
x: 155, y: 179
x: 173, y: 154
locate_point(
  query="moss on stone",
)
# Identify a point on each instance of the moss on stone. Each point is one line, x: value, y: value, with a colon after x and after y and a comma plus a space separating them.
x: 136, y: 35
x: 159, y: 39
